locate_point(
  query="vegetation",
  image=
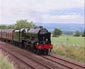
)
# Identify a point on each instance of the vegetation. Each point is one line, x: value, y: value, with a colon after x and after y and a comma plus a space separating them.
x: 73, y: 52
x: 10, y: 26
x: 24, y: 23
x: 68, y: 40
x: 4, y: 63
x: 57, y: 32
x: 69, y: 46
x: 19, y: 24
x: 83, y: 34
x: 3, y: 27
x: 77, y: 33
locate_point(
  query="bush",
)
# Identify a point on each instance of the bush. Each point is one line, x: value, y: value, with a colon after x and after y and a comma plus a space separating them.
x: 77, y: 33
x: 4, y: 63
x: 57, y: 32
x: 83, y: 34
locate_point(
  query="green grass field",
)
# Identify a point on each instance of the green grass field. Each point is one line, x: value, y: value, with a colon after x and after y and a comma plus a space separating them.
x: 69, y: 46
x: 68, y: 40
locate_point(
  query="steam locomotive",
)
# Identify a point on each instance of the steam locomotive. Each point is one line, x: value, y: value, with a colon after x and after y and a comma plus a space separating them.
x: 36, y: 39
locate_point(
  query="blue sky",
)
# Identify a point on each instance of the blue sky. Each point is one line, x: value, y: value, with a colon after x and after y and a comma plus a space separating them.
x: 42, y: 11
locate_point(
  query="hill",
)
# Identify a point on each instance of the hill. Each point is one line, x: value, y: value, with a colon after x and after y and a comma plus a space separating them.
x: 63, y: 27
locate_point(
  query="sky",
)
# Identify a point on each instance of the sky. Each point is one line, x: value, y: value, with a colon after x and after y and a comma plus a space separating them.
x: 42, y: 11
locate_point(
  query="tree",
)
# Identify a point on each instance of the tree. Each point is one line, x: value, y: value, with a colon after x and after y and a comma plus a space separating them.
x: 24, y: 23
x: 57, y: 32
x: 11, y: 26
x: 83, y: 34
x: 77, y: 33
x: 3, y: 27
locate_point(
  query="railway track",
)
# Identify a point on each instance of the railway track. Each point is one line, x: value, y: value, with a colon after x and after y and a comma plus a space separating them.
x: 66, y: 63
x: 35, y: 62
x: 32, y: 64
x: 19, y: 58
x: 69, y: 61
x: 41, y: 62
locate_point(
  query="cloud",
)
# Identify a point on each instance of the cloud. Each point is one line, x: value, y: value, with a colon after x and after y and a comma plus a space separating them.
x: 41, y: 11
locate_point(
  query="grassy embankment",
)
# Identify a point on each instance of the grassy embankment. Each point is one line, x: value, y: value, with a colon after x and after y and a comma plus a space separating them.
x: 70, y: 46
x: 4, y: 63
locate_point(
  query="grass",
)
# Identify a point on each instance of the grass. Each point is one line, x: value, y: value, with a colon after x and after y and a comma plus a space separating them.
x: 4, y: 63
x: 69, y: 40
x: 69, y: 46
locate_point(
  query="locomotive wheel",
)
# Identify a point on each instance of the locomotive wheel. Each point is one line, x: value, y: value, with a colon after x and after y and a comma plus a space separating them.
x: 38, y: 51
x: 46, y: 52
x: 34, y: 50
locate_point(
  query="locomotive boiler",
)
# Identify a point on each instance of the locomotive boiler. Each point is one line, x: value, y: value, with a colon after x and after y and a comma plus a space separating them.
x: 36, y: 39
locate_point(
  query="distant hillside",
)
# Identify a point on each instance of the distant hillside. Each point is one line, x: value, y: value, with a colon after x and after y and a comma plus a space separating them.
x: 64, y: 27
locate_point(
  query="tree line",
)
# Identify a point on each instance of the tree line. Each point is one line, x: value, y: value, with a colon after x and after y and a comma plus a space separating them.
x: 24, y: 23
x: 19, y: 24
x: 57, y: 32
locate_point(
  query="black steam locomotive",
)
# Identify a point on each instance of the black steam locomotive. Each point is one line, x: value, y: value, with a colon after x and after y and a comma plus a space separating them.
x: 36, y: 39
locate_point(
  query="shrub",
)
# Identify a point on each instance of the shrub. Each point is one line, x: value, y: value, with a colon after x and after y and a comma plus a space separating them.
x: 4, y: 63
